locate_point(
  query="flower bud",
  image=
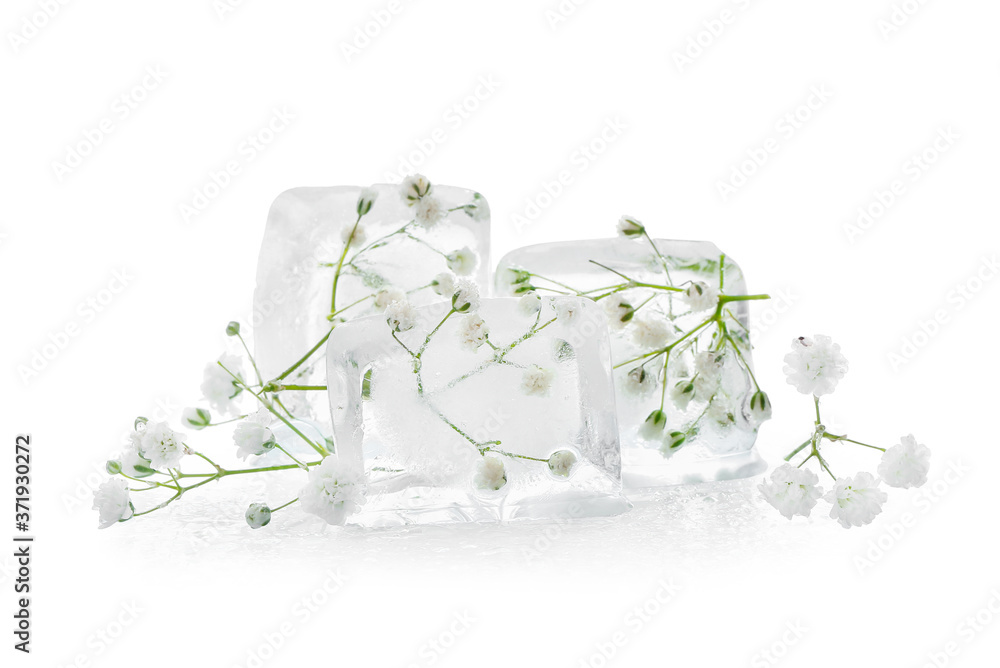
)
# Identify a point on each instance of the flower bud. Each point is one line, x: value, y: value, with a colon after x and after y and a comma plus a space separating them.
x: 366, y: 200
x: 654, y: 425
x: 760, y: 406
x: 258, y: 515
x: 140, y: 422
x: 196, y: 418
x: 561, y: 463
x: 630, y: 227
x: 233, y: 329
x: 113, y: 467
x: 415, y: 187
x: 676, y: 439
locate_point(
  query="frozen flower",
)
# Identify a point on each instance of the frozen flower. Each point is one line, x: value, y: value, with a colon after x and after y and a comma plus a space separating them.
x: 466, y: 297
x: 815, y: 365
x: 618, y: 310
x: 414, y: 188
x: 708, y: 373
x: 652, y: 428
x: 529, y: 304
x: 682, y: 393
x: 566, y: 310
x: 353, y: 233
x: 639, y: 382
x: 473, y: 332
x: 161, y: 445
x: 478, y: 209
x: 258, y: 515
x: 366, y: 200
x: 760, y: 407
x: 517, y: 281
x: 536, y: 381
x: 720, y: 411
x: 672, y: 443
x: 444, y: 284
x: 651, y: 333
x: 561, y: 463
x: 490, y: 474
x: 401, y: 316
x: 463, y: 261
x: 387, y: 296
x: 218, y: 386
x: 111, y: 500
x: 333, y: 492
x: 856, y: 501
x: 630, y: 227
x: 196, y: 418
x: 792, y: 491
x: 429, y: 211
x: 906, y: 464
x: 133, y: 464
x: 701, y: 296
x: 252, y: 436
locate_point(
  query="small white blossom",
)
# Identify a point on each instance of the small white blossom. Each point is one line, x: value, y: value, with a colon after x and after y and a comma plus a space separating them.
x: 478, y: 209
x: 708, y: 373
x: 258, y: 515
x: 652, y: 428
x: 720, y: 411
x: 792, y: 491
x: 701, y: 296
x: 366, y: 200
x: 618, y: 310
x: 196, y: 418
x: 218, y: 386
x: 112, y: 501
x: 429, y: 211
x: 529, y: 304
x: 414, y: 188
x: 353, y: 234
x: 387, y: 296
x: 134, y: 464
x: 639, y: 382
x: 334, y: 491
x: 651, y: 333
x: 681, y: 393
x: 561, y: 463
x: 490, y: 474
x: 463, y: 261
x: 444, y: 284
x: 760, y: 407
x: 629, y: 227
x: 815, y: 365
x: 567, y: 310
x: 161, y: 445
x: 672, y: 443
x: 466, y: 297
x: 906, y: 464
x: 473, y: 332
x: 536, y: 381
x: 401, y: 316
x: 252, y: 436
x: 856, y: 501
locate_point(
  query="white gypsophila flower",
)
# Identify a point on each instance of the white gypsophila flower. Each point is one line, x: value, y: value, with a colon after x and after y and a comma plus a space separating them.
x: 387, y: 296
x: 905, y: 464
x: 429, y: 211
x: 401, y: 316
x: 701, y: 296
x: 618, y: 310
x: 444, y: 284
x: 334, y: 491
x: 672, y: 443
x: 466, y: 297
x: 708, y: 373
x: 792, y: 491
x: 561, y: 463
x: 414, y: 188
x: 815, y: 365
x: 473, y: 332
x: 856, y: 501
x: 651, y: 333
x: 720, y: 411
x: 252, y: 436
x: 760, y: 407
x: 196, y: 418
x: 218, y: 386
x: 630, y: 227
x: 529, y: 304
x: 536, y: 381
x: 478, y: 209
x: 161, y: 445
x: 566, y: 310
x: 366, y: 200
x: 113, y: 503
x: 654, y: 425
x: 132, y: 462
x: 490, y: 474
x: 681, y: 393
x: 354, y: 234
x: 463, y: 261
x: 639, y: 382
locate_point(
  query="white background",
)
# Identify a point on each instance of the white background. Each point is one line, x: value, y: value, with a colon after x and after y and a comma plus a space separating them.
x: 209, y: 591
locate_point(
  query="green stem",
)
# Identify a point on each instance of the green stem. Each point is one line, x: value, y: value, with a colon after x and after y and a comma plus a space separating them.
x: 797, y: 450
x: 340, y: 266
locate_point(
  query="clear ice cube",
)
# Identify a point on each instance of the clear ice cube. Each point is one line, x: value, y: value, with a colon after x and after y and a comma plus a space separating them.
x: 718, y: 426
x: 303, y: 241
x: 496, y: 414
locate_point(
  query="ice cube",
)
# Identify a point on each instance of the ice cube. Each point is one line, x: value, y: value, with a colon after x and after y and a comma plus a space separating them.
x: 399, y: 249
x: 504, y: 411
x: 708, y: 385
